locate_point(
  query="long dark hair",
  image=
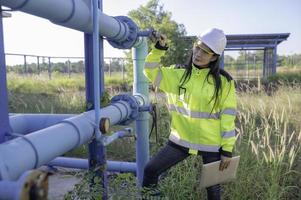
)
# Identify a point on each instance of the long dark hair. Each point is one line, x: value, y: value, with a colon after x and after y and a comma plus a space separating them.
x: 214, y: 71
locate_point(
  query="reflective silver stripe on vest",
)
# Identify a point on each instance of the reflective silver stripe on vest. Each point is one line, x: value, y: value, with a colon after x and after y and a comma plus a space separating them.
x: 158, y: 79
x: 229, y: 111
x: 193, y: 114
x: 151, y: 65
x: 228, y: 134
x: 199, y: 147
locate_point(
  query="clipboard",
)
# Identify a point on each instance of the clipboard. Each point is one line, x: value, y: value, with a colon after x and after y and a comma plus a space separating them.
x: 211, y: 175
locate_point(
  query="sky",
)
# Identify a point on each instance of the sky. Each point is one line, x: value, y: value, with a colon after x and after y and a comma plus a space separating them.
x: 27, y: 34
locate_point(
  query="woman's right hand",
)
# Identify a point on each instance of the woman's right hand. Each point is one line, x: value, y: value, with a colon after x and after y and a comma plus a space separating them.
x: 158, y: 37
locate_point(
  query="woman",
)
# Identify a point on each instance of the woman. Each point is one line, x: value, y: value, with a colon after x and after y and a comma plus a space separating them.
x: 202, y: 103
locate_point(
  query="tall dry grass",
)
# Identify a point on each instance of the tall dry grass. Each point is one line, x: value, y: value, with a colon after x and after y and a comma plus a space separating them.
x: 268, y: 139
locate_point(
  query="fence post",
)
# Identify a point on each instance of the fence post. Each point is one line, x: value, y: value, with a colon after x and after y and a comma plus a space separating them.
x: 110, y: 67
x: 25, y: 65
x: 254, y: 63
x: 122, y: 69
x: 69, y: 68
x: 38, y: 61
x: 49, y: 68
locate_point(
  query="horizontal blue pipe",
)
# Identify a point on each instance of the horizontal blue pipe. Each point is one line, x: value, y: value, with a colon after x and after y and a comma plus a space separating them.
x: 27, y: 123
x: 40, y: 147
x: 146, y: 108
x: 119, y: 134
x: 8, y: 189
x: 14, y: 190
x: 79, y: 163
x: 75, y: 14
x: 146, y: 33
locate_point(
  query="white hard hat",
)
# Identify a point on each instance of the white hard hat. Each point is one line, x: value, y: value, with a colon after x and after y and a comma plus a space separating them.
x: 215, y: 39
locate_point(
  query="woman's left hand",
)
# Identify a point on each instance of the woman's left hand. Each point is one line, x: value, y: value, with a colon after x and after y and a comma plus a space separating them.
x: 225, y: 162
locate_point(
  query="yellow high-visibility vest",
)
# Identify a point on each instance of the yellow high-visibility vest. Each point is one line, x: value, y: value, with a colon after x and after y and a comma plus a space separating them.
x: 193, y: 124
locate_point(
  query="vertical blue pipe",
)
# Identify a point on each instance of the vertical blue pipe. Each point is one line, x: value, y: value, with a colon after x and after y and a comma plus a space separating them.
x: 4, y: 122
x: 96, y: 62
x: 88, y: 43
x: 139, y: 54
x: 94, y: 89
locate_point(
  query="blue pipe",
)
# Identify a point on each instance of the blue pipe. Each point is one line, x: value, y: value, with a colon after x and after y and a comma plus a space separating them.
x: 116, y: 166
x: 4, y: 122
x: 96, y: 62
x: 96, y: 146
x: 79, y: 163
x: 76, y: 14
x: 119, y: 134
x: 139, y: 53
x: 145, y: 33
x: 8, y: 189
x: 27, y: 123
x: 31, y: 185
x: 40, y: 147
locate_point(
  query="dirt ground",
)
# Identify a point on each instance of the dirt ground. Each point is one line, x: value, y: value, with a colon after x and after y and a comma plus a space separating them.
x: 62, y: 181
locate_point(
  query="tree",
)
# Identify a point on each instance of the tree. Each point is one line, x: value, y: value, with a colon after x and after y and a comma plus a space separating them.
x: 153, y: 15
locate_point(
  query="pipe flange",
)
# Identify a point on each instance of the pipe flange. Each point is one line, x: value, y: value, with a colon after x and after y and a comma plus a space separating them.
x: 134, y: 104
x: 129, y: 41
x: 33, y: 184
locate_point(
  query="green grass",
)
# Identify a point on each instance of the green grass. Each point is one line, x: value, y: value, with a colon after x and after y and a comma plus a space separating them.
x: 269, y: 138
x: 59, y: 83
x: 286, y: 78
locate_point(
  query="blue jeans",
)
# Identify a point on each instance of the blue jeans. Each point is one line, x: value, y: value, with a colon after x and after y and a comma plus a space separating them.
x: 170, y: 155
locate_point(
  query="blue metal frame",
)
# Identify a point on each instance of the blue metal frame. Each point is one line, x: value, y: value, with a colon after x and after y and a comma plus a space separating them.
x: 4, y: 121
x: 140, y: 86
x: 97, y: 151
x: 128, y: 107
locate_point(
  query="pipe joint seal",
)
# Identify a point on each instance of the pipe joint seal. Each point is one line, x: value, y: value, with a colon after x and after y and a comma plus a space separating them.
x: 134, y: 104
x: 130, y: 34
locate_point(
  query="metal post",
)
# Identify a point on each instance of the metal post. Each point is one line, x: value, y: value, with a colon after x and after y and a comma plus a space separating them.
x: 254, y: 62
x: 4, y: 122
x: 247, y: 66
x: 25, y: 65
x: 97, y: 153
x: 49, y: 68
x: 274, y: 67
x: 43, y: 64
x: 264, y: 62
x: 38, y: 62
x: 110, y: 67
x: 122, y: 69
x: 140, y: 85
x: 69, y: 70
x: 245, y: 75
